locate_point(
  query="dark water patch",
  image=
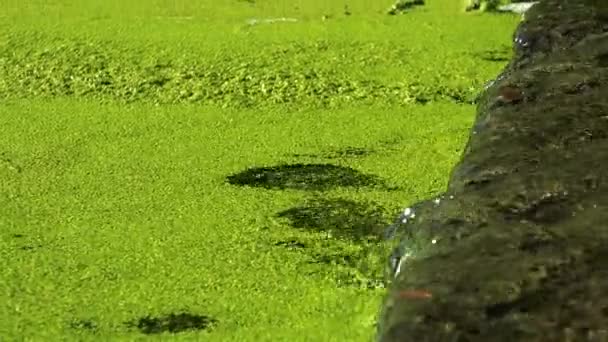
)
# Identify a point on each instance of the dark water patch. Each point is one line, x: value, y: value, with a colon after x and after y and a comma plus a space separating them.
x: 172, y: 323
x: 318, y: 177
x: 17, y: 236
x: 340, y: 218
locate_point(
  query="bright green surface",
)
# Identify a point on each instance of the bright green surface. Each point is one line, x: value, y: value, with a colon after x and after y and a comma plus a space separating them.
x: 113, y: 199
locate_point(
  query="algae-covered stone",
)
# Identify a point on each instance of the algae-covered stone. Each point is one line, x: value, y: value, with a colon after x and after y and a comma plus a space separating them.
x: 517, y: 247
x: 402, y: 5
x: 515, y: 6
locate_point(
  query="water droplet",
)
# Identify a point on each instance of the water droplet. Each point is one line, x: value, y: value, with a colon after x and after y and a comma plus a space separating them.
x: 489, y: 84
x: 522, y: 40
x: 398, y: 269
x: 407, y: 214
x: 400, y: 262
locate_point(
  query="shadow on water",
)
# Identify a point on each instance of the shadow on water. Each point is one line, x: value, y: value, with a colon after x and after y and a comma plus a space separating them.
x: 501, y: 55
x: 354, y: 239
x: 349, y: 152
x: 353, y: 230
x: 317, y: 177
x: 173, y: 323
x: 339, y: 218
x: 28, y: 247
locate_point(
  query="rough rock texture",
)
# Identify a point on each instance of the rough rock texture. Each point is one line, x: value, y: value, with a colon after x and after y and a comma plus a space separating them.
x: 517, y: 248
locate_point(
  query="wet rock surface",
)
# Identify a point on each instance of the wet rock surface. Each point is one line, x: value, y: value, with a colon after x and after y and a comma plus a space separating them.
x: 517, y: 248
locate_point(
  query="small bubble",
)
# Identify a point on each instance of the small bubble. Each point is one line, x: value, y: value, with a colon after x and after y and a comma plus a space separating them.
x: 437, y: 200
x: 434, y: 241
x: 407, y: 211
x: 404, y: 220
x: 451, y: 197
